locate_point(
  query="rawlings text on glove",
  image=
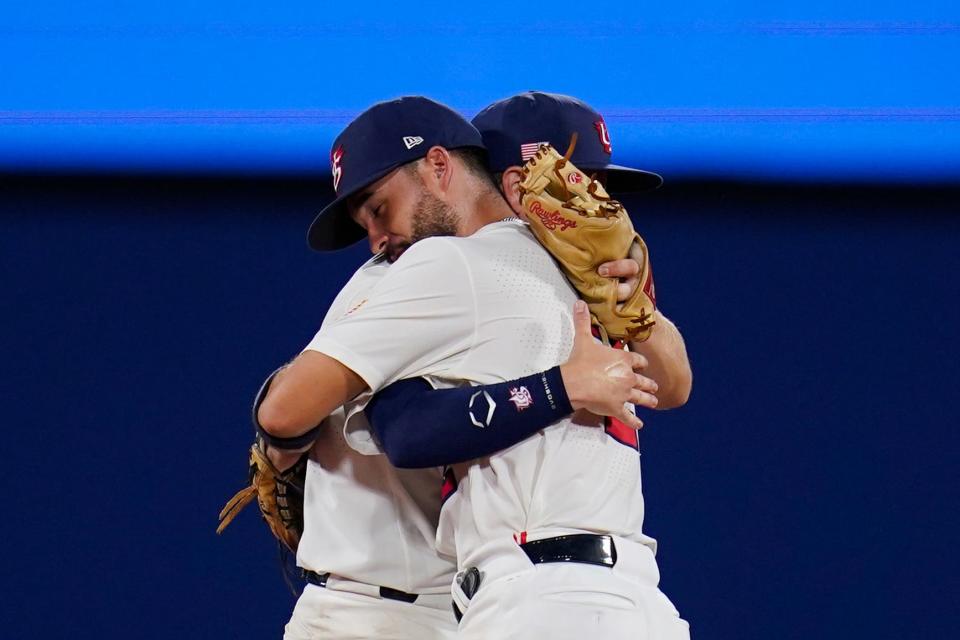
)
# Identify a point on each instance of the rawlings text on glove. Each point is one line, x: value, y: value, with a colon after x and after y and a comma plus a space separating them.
x: 575, y: 219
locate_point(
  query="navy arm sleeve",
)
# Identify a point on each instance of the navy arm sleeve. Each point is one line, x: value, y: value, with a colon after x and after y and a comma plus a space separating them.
x: 419, y: 426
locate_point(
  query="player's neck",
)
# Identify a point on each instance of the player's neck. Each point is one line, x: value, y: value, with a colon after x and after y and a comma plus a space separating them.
x: 487, y: 208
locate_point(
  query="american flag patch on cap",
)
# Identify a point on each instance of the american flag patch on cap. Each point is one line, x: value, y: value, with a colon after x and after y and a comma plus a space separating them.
x: 527, y: 150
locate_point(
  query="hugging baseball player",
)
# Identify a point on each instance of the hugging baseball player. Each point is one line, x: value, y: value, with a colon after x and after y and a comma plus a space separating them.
x: 542, y: 499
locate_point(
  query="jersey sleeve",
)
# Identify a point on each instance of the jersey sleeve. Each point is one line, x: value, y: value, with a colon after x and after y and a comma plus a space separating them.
x: 362, y: 280
x: 419, y: 319
x: 357, y: 430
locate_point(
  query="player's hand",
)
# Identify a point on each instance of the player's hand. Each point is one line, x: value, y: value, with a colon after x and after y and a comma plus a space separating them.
x: 627, y: 271
x: 601, y: 379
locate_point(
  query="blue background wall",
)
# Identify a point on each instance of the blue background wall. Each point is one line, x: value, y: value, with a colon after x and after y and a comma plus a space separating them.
x: 158, y: 169
x: 815, y: 90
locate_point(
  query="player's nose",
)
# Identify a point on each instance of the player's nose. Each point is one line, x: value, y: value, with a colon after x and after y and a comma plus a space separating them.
x: 378, y: 241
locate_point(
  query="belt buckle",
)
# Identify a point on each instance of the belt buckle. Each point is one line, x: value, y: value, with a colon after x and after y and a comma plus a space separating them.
x: 466, y: 582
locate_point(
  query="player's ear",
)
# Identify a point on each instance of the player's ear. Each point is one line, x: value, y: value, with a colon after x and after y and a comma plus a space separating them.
x: 436, y: 169
x: 510, y: 186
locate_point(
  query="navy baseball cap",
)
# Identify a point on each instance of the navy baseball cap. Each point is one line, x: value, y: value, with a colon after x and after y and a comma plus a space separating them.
x: 514, y: 127
x: 385, y: 136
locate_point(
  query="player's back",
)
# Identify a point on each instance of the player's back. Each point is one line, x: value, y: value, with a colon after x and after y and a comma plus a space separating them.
x: 574, y: 476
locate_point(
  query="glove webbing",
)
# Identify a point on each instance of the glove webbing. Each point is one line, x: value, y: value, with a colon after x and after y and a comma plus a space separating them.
x: 246, y: 495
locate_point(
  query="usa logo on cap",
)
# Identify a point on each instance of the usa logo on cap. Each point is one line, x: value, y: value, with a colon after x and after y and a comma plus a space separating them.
x: 604, y: 134
x: 335, y: 157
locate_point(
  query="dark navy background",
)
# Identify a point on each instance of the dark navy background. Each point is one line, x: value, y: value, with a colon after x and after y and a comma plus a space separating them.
x: 808, y: 490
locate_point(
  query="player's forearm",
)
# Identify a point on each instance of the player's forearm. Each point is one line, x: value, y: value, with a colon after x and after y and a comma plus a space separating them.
x: 669, y: 365
x: 305, y: 392
x: 419, y: 426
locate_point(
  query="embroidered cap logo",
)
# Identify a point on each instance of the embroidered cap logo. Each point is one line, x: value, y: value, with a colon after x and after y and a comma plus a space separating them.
x: 335, y: 168
x: 604, y: 134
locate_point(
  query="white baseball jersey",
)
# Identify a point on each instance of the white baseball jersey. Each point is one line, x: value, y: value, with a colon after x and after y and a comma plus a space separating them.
x: 364, y: 520
x: 488, y: 308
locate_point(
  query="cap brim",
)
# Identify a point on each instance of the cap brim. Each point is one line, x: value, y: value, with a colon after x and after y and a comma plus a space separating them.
x: 333, y: 228
x: 622, y: 179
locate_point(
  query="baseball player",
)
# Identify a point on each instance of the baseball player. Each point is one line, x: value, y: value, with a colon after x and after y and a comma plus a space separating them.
x: 511, y: 129
x: 368, y: 545
x: 519, y: 511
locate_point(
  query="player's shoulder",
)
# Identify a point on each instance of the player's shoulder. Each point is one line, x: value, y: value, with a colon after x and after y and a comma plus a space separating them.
x: 374, y: 262
x: 512, y: 233
x: 456, y: 252
x: 436, y: 251
x: 509, y: 227
x: 435, y: 267
x: 508, y: 240
x: 370, y: 271
x: 357, y: 287
x: 376, y: 265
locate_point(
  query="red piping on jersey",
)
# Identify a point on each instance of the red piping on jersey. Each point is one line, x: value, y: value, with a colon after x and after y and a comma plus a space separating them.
x: 622, y: 433
x: 616, y: 429
x: 449, y: 484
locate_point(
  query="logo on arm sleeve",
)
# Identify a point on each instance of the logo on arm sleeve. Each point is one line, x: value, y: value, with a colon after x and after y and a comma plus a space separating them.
x: 481, y: 398
x: 521, y: 398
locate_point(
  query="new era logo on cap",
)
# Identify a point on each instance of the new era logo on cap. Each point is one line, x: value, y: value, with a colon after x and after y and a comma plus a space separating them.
x: 412, y: 141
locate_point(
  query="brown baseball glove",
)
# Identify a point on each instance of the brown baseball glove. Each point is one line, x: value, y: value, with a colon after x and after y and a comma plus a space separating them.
x: 575, y: 219
x: 279, y: 495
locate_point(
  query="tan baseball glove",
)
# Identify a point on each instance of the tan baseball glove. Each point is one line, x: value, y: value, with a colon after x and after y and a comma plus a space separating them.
x: 583, y: 227
x: 279, y: 495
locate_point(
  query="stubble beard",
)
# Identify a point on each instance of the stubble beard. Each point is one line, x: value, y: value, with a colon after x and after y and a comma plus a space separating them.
x: 433, y: 217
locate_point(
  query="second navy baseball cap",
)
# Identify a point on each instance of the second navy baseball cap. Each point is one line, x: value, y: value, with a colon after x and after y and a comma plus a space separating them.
x: 514, y: 127
x: 385, y: 136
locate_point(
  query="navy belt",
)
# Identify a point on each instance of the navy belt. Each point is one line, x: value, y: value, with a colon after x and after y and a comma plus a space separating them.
x: 584, y: 548
x: 320, y: 580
